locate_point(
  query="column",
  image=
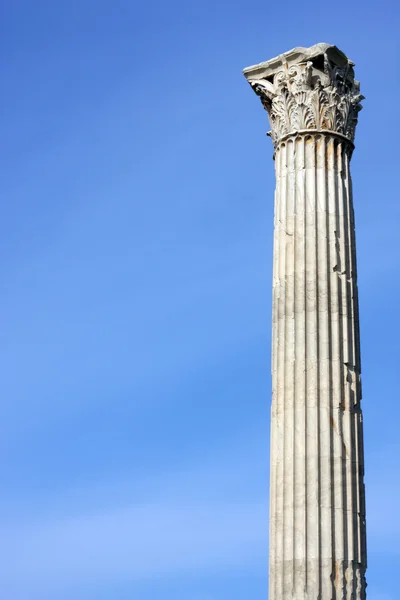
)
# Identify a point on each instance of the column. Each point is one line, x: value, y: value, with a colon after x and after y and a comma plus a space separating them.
x: 317, y: 499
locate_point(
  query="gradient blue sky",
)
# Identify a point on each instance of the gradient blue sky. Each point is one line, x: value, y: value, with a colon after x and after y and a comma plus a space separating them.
x: 136, y: 250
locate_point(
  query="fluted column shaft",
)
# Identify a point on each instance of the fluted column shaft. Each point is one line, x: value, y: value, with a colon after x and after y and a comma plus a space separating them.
x: 317, y: 515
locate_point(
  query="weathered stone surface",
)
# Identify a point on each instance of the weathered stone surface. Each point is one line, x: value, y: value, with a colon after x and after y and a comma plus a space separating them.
x: 317, y: 515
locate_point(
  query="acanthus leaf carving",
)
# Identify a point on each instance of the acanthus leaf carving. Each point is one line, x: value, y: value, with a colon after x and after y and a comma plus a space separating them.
x: 301, y: 97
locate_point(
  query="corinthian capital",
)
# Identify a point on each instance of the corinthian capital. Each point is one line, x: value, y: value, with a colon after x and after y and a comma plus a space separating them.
x: 308, y: 89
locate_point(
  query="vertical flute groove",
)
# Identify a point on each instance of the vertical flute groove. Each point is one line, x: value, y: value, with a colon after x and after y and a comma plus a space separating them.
x: 318, y: 357
x: 280, y: 405
x: 274, y: 361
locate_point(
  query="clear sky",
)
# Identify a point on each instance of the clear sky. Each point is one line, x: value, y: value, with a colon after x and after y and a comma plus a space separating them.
x: 136, y: 251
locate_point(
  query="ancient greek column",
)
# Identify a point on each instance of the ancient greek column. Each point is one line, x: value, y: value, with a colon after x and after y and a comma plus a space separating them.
x: 317, y: 502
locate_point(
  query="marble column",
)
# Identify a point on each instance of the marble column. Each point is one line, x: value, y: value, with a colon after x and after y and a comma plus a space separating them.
x: 317, y: 510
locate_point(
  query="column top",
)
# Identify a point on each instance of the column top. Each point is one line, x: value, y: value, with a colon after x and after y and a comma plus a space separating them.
x: 308, y: 89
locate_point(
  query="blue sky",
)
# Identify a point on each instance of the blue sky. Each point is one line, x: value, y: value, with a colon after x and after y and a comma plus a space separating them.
x: 136, y: 251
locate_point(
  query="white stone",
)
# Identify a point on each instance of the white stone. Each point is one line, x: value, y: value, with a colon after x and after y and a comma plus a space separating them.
x: 317, y: 514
